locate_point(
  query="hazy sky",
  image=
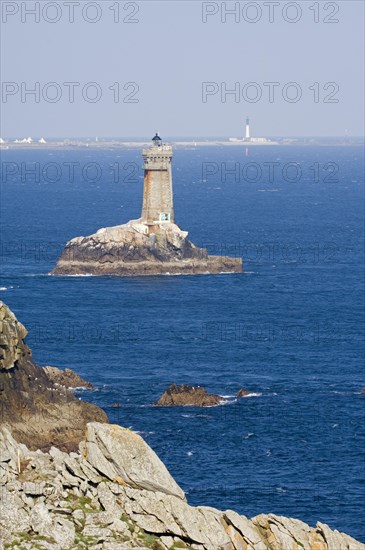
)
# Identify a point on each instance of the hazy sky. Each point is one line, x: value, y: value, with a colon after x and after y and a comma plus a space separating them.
x: 169, y: 52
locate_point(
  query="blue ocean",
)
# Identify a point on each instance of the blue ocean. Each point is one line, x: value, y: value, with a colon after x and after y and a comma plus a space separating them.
x: 290, y: 329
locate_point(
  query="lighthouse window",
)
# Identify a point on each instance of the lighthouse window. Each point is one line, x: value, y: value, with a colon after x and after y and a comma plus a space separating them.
x: 164, y: 217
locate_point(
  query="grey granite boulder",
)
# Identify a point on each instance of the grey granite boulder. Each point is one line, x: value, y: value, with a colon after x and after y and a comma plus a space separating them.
x: 123, y: 456
x: 12, y: 515
x: 160, y: 513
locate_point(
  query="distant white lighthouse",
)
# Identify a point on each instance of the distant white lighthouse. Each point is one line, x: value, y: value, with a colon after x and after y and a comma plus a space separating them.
x: 247, y: 136
x: 248, y: 140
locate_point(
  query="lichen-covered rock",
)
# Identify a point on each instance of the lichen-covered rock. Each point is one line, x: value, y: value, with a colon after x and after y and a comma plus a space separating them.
x: 161, y: 513
x: 287, y: 533
x: 242, y: 532
x: 137, y: 249
x: 123, y: 456
x: 60, y: 530
x: 185, y: 395
x: 13, y: 517
x: 39, y: 509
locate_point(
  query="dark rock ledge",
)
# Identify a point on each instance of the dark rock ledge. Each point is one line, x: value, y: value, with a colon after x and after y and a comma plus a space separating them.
x: 67, y: 378
x: 194, y: 396
x: 185, y: 395
x: 38, y: 412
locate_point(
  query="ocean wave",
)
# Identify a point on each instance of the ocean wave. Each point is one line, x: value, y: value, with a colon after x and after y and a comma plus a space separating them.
x: 226, y: 402
x: 141, y: 432
x: 83, y: 390
x: 197, y: 415
x: 80, y: 275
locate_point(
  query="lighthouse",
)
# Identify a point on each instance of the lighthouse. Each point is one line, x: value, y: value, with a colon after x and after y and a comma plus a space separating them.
x: 247, y: 136
x: 157, y: 205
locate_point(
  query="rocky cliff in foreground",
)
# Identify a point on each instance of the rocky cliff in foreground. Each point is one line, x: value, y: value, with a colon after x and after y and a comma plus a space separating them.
x: 38, y: 412
x: 132, y: 249
x: 115, y: 493
x: 111, y: 492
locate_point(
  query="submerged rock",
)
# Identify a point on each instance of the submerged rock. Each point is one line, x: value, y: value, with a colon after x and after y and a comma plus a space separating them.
x: 39, y: 413
x: 187, y: 395
x: 243, y: 393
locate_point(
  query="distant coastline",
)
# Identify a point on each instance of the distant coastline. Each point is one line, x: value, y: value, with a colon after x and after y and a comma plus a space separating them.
x: 117, y: 143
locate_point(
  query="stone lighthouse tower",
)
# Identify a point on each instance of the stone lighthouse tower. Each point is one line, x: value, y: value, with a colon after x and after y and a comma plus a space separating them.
x: 157, y: 192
